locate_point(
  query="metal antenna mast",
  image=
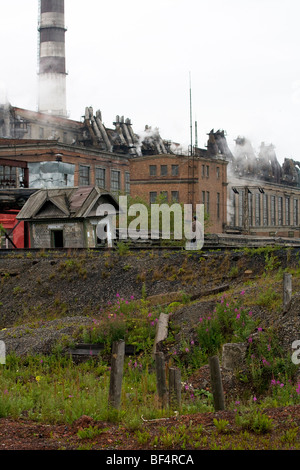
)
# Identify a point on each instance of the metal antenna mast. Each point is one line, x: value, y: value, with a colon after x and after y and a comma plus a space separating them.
x: 191, y: 165
x: 191, y: 117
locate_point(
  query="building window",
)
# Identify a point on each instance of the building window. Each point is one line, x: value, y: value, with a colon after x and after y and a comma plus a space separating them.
x: 175, y: 196
x: 232, y: 209
x: 250, y: 209
x: 203, y: 171
x: 280, y: 210
x: 84, y: 175
x: 175, y: 170
x: 115, y: 181
x: 207, y: 202
x: 21, y: 178
x: 152, y: 170
x: 127, y: 182
x: 296, y: 220
x: 163, y: 170
x: 241, y: 209
x: 100, y: 177
x: 41, y: 132
x: 265, y: 210
x: 257, y: 210
x: 203, y: 197
x: 65, y: 137
x: 218, y: 205
x: 164, y: 196
x: 8, y: 177
x: 287, y: 211
x: 207, y: 171
x: 273, y: 211
x: 153, y: 197
x: 218, y: 172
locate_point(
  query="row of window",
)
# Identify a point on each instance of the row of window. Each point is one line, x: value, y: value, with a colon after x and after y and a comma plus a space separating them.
x: 164, y: 196
x: 205, y: 171
x: 267, y: 210
x: 206, y: 202
x: 164, y: 170
x: 153, y: 171
x: 101, y: 178
x: 11, y: 177
x: 175, y: 198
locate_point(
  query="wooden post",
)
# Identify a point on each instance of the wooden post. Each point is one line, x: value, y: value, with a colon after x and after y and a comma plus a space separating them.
x: 287, y: 289
x: 116, y: 374
x: 216, y: 382
x: 174, y: 388
x: 161, y: 378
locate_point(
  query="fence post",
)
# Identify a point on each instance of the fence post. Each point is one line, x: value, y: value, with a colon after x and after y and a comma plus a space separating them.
x: 161, y: 378
x: 174, y: 387
x: 287, y: 289
x: 116, y: 374
x: 216, y: 382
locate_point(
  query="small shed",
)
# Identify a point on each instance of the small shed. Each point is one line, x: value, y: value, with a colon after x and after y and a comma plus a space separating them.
x: 67, y: 217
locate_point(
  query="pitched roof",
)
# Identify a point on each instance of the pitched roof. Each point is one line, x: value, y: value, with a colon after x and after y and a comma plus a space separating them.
x: 64, y: 203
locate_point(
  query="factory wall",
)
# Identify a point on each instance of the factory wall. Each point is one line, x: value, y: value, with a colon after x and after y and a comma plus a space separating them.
x: 262, y: 208
x: 77, y: 166
x: 169, y: 176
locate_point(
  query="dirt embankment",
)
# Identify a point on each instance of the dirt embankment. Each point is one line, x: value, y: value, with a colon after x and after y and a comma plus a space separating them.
x: 48, y: 296
x: 50, y: 285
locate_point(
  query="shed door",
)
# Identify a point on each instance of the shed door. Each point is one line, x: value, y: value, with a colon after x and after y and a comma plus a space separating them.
x: 57, y: 238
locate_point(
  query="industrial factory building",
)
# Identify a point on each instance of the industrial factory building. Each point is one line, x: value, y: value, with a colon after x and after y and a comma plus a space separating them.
x: 242, y: 192
x: 263, y: 196
x: 199, y: 178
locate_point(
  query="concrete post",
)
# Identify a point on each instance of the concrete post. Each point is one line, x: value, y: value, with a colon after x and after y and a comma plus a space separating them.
x: 287, y: 289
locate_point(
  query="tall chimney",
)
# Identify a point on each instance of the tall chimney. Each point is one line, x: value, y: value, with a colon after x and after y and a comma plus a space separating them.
x: 52, y: 61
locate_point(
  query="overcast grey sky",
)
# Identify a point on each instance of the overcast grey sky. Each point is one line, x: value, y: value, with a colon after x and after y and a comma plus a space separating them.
x: 133, y: 58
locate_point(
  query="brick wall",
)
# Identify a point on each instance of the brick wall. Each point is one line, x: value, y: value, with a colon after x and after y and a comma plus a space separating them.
x: 209, y: 178
x: 90, y: 159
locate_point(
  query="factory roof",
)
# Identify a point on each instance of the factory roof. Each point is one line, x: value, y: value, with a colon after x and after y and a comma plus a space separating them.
x: 70, y: 203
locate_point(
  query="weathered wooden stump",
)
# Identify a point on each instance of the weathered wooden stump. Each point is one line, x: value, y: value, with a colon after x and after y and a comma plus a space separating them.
x: 216, y: 382
x: 174, y: 388
x: 161, y: 384
x: 116, y: 374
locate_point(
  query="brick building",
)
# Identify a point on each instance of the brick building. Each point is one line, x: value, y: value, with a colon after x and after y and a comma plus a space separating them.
x: 54, y: 164
x: 178, y: 178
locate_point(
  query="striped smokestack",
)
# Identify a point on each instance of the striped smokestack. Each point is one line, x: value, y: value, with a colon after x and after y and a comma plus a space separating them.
x: 52, y: 61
